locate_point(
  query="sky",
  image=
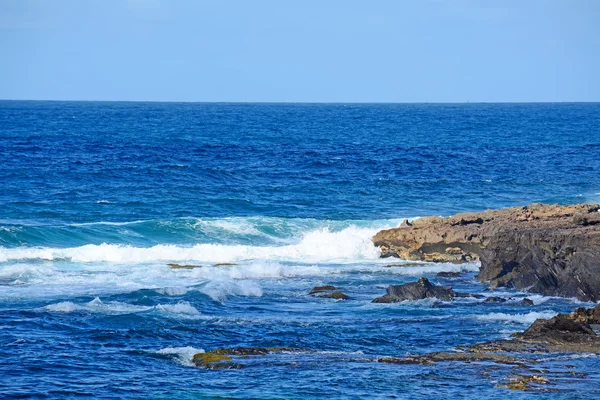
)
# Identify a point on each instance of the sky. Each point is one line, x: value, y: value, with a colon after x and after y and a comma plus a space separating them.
x: 301, y: 50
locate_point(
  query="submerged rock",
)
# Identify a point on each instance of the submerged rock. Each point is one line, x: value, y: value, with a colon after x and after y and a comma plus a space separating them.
x: 422, y: 289
x: 184, y: 266
x: 523, y: 382
x: 335, y: 295
x: 329, y: 291
x: 548, y: 249
x: 495, y: 299
x: 321, y: 289
x: 526, y: 302
x: 224, y: 358
x: 448, y: 274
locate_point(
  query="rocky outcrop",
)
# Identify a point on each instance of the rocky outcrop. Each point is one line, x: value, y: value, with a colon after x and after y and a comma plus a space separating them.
x: 422, y: 289
x: 548, y: 249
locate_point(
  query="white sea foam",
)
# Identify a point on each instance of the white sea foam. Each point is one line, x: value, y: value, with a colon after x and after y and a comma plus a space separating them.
x: 184, y: 354
x: 321, y: 245
x: 173, y: 291
x: 221, y: 288
x: 97, y: 306
x: 182, y: 307
x: 528, y: 318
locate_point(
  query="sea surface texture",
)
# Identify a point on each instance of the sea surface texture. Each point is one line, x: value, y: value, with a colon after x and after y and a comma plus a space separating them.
x: 97, y: 198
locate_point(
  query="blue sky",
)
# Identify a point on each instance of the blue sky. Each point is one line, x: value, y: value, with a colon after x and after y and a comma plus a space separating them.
x: 301, y: 50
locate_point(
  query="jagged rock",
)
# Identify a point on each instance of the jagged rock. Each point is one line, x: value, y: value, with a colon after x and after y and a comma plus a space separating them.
x: 335, y: 295
x: 549, y: 249
x: 422, y: 289
x: 321, y: 289
x: 495, y: 299
x: 448, y: 274
x: 526, y: 302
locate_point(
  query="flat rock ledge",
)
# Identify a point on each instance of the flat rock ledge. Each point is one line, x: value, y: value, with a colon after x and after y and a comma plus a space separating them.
x: 564, y: 333
x: 548, y: 249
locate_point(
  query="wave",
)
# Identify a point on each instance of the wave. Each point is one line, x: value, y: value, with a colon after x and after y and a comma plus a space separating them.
x: 321, y: 245
x: 257, y: 231
x: 184, y: 355
x: 527, y: 318
x: 182, y: 308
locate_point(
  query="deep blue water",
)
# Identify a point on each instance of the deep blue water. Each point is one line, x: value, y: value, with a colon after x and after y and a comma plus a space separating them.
x: 96, y: 198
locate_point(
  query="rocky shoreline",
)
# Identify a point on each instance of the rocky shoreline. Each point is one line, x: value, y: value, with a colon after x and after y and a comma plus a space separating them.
x: 548, y: 249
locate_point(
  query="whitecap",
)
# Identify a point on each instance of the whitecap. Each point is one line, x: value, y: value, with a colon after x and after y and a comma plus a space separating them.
x: 182, y: 307
x: 527, y: 318
x: 220, y: 289
x: 184, y: 355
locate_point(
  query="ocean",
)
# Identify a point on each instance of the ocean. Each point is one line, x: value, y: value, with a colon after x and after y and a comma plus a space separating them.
x: 96, y: 198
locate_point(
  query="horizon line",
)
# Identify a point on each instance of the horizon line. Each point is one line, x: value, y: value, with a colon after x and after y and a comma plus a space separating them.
x: 304, y: 102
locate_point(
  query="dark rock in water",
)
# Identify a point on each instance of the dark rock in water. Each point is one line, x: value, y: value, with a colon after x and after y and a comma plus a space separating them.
x: 322, y: 289
x: 495, y: 299
x: 548, y: 249
x: 472, y: 295
x: 422, y: 289
x: 448, y: 274
x: 184, y: 266
x: 406, y: 264
x: 335, y: 295
x: 224, y: 265
x: 526, y: 302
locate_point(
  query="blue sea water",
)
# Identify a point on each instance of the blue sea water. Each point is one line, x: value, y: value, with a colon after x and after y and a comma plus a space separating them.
x: 96, y: 198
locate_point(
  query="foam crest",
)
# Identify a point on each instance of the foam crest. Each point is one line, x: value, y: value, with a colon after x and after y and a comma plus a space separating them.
x: 182, y: 307
x: 322, y: 245
x: 528, y: 318
x: 97, y: 306
x: 219, y: 289
x: 184, y: 355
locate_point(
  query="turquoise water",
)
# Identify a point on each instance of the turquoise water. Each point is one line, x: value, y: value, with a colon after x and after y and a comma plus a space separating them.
x: 98, y: 197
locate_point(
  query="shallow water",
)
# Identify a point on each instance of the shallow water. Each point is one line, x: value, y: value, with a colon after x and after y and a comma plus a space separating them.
x: 98, y: 197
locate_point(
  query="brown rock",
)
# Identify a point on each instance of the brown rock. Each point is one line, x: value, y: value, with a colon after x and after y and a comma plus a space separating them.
x: 335, y: 295
x: 550, y: 249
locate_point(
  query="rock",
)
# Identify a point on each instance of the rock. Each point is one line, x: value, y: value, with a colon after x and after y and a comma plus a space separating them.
x: 224, y: 358
x: 562, y: 333
x: 432, y: 358
x: 321, y: 289
x: 526, y: 302
x: 422, y: 289
x: 224, y: 265
x: 184, y: 266
x: 406, y: 264
x: 448, y: 274
x: 548, y: 249
x: 523, y: 382
x: 589, y: 316
x: 495, y: 299
x: 335, y: 295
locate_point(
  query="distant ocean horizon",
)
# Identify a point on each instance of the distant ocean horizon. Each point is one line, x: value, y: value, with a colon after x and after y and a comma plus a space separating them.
x: 98, y: 197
